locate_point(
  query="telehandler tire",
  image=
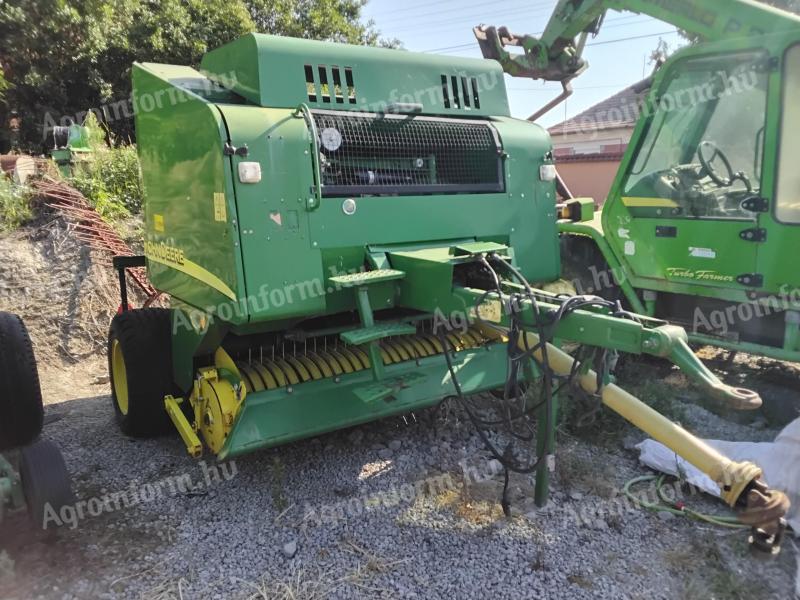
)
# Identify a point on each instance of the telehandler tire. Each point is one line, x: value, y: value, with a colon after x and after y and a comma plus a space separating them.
x: 140, y: 370
x: 21, y: 410
x: 583, y: 265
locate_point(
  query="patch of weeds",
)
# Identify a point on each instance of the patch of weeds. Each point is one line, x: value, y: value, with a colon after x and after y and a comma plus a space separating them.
x: 584, y: 473
x: 580, y: 580
x: 656, y: 390
x: 15, y: 204
x: 540, y: 561
x: 584, y: 417
x: 616, y: 522
x: 278, y: 484
x: 706, y: 574
x: 110, y: 176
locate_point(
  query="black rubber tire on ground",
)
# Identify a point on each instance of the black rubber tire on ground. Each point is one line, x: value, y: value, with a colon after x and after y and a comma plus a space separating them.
x: 584, y: 266
x: 143, y: 336
x: 21, y: 411
x: 45, y: 483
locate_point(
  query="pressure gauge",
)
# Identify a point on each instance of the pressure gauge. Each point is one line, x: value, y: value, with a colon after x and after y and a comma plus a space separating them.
x: 331, y: 139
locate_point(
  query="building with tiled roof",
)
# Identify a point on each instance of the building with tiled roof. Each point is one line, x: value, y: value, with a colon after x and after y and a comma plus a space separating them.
x: 589, y: 146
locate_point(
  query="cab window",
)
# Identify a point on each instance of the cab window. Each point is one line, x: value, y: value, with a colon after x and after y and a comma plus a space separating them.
x: 788, y: 195
x: 701, y: 155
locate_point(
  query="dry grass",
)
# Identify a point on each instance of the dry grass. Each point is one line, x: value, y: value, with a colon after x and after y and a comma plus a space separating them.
x: 300, y: 584
x: 316, y: 584
x: 469, y: 504
x: 371, y: 565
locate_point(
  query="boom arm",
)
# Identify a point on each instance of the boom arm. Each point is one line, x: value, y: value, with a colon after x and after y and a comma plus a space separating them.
x: 556, y: 55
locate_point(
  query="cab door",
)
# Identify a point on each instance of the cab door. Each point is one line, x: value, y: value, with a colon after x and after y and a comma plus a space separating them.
x: 683, y: 214
x: 778, y: 255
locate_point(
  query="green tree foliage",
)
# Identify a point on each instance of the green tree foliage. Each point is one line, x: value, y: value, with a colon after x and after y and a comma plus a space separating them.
x: 3, y: 85
x: 63, y: 57
x: 109, y: 176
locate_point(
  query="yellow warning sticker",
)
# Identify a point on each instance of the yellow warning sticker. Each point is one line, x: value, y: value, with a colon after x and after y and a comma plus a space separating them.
x: 220, y: 212
x: 158, y: 223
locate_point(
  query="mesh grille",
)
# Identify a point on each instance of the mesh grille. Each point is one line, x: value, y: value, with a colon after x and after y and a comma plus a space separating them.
x: 365, y: 153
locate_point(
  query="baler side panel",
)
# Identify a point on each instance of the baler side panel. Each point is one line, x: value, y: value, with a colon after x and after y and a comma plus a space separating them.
x: 534, y: 234
x: 190, y: 234
x: 283, y: 268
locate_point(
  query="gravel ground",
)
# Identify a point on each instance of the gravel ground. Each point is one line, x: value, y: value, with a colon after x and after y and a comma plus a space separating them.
x: 347, y: 515
x: 393, y: 509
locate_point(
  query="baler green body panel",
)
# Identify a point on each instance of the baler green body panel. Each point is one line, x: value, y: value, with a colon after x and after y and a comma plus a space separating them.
x: 191, y: 237
x: 256, y: 254
x: 270, y: 418
x: 272, y: 71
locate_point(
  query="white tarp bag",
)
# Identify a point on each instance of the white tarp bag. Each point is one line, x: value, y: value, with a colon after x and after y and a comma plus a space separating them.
x: 779, y: 460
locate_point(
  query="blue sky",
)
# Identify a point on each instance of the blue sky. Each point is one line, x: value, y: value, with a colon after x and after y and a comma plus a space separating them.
x: 446, y: 28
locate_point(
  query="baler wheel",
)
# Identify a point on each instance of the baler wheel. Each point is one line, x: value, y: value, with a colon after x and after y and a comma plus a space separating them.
x: 21, y: 410
x: 140, y: 369
x: 45, y: 482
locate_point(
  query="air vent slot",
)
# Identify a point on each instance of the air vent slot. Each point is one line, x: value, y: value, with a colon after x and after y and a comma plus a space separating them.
x: 311, y: 85
x: 319, y: 86
x: 460, y: 92
x: 476, y: 99
x: 445, y: 91
x: 337, y: 85
x: 351, y: 87
x: 456, y: 99
x: 324, y: 88
x: 465, y: 92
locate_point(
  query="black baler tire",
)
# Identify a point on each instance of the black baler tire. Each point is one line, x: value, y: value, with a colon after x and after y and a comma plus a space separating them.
x: 45, y: 481
x: 146, y: 343
x: 21, y: 410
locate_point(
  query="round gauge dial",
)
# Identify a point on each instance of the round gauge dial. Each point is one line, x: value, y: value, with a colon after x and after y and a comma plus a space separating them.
x: 331, y: 139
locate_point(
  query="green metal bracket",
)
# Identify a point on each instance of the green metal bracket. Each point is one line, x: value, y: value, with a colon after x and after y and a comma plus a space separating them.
x: 370, y: 333
x: 356, y: 337
x: 352, y: 280
x: 626, y: 335
x: 11, y: 495
x: 473, y: 248
x: 577, y: 210
x: 386, y: 389
x: 302, y: 109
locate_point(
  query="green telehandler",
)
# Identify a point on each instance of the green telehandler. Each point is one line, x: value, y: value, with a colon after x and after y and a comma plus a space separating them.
x: 703, y: 219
